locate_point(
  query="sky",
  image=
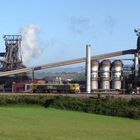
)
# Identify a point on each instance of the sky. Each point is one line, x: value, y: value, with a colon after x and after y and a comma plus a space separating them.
x: 58, y: 30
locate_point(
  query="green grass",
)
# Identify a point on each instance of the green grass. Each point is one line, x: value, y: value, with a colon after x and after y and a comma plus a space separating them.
x: 38, y: 123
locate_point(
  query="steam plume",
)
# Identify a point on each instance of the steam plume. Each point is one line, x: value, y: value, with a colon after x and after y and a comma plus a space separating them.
x: 31, y: 45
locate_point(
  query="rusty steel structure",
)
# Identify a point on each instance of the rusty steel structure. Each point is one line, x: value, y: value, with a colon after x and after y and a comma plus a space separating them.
x: 12, y: 58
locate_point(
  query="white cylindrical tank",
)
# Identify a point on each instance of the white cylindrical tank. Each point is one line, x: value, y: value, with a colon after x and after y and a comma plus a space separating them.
x: 94, y: 74
x: 116, y: 74
x: 105, y: 74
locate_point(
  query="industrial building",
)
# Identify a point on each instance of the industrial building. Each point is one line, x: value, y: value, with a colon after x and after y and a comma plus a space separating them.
x: 102, y: 73
x: 110, y: 76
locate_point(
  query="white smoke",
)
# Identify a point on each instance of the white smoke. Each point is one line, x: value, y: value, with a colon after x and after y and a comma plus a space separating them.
x: 31, y: 45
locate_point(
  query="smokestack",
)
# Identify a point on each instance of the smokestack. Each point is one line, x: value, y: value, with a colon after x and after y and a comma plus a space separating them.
x: 88, y: 68
x: 136, y: 63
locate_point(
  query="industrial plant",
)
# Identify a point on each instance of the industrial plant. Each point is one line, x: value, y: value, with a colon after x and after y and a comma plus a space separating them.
x: 103, y: 74
x: 114, y: 76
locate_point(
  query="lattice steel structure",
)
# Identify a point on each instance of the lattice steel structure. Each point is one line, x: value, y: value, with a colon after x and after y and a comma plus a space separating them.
x: 12, y: 59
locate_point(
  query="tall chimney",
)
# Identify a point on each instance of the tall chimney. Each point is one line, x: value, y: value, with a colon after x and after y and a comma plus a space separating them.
x: 88, y: 68
x: 136, y: 64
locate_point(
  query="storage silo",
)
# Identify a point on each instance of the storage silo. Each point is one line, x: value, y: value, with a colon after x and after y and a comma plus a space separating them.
x: 94, y: 74
x: 105, y: 74
x: 116, y: 74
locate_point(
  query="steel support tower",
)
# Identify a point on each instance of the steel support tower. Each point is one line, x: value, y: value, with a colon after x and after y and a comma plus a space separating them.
x: 137, y: 62
x: 12, y: 59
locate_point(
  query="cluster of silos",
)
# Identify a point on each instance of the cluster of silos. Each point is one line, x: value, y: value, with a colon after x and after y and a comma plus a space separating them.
x: 106, y: 75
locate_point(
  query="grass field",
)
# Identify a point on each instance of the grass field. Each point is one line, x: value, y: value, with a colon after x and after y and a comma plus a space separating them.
x: 38, y: 123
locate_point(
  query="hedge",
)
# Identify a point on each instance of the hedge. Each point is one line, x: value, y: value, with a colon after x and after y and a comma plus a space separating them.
x: 105, y: 106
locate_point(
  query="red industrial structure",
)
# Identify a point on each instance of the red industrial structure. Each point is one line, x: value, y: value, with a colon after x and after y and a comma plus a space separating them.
x: 22, y: 87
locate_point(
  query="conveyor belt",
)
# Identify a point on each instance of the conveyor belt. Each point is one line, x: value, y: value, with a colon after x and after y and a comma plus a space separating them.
x: 68, y: 62
x: 2, y: 54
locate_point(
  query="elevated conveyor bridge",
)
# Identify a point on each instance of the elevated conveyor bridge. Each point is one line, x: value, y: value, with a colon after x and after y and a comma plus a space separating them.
x: 68, y: 62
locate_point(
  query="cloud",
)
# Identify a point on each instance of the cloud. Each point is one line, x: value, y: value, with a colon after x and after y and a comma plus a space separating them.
x: 110, y: 24
x: 80, y: 24
x: 31, y: 44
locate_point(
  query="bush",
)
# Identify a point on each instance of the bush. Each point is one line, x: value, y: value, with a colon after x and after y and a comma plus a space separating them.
x: 65, y: 103
x: 105, y: 106
x: 135, y: 102
x: 25, y: 99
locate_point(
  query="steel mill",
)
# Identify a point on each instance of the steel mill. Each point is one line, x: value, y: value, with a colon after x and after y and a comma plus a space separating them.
x: 103, y: 74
